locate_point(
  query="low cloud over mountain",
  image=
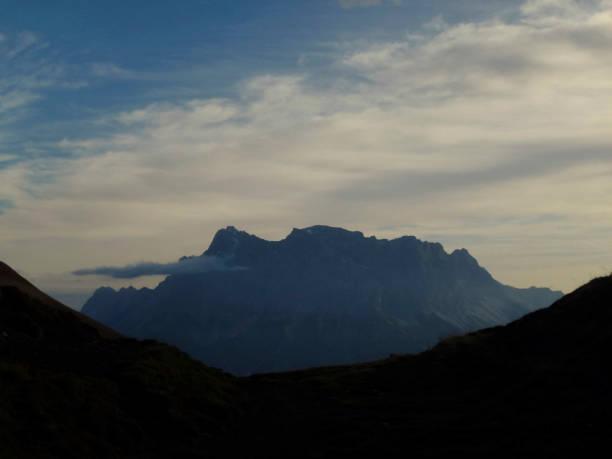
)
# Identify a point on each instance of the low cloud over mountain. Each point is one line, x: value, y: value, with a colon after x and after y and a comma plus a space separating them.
x: 187, y: 265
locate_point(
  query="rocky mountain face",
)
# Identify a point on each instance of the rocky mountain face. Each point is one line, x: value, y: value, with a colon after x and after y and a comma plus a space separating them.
x: 321, y: 296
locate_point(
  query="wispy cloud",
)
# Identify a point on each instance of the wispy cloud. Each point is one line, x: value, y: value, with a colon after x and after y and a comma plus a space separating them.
x: 30, y: 71
x: 110, y: 70
x: 193, y: 265
x: 18, y: 80
x: 24, y: 42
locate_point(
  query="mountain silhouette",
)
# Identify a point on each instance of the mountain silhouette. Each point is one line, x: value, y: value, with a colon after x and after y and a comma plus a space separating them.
x: 321, y: 296
x: 538, y: 387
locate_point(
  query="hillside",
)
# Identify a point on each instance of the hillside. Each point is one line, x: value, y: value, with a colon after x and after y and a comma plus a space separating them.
x: 321, y: 296
x: 70, y: 387
x: 536, y: 388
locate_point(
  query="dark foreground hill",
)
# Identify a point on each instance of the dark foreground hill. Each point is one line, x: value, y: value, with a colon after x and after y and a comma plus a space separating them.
x: 539, y: 387
x: 72, y: 388
x: 321, y: 296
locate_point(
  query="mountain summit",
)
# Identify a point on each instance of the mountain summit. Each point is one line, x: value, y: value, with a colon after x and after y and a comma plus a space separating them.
x: 320, y: 296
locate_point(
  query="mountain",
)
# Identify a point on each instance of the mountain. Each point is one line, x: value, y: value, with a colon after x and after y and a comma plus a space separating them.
x: 321, y: 296
x: 538, y: 387
x: 72, y: 388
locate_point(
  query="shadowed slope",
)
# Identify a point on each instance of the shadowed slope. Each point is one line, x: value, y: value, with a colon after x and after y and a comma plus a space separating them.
x: 539, y: 387
x: 70, y: 387
x: 10, y: 278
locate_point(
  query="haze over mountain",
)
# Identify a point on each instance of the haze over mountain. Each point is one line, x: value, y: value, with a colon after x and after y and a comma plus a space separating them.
x: 536, y: 388
x: 321, y: 296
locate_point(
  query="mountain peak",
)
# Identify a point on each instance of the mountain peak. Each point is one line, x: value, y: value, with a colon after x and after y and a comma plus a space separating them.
x: 462, y: 254
x: 226, y: 241
x: 324, y: 231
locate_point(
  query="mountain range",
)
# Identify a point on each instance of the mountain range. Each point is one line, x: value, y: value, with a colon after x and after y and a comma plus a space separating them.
x: 538, y: 387
x: 321, y: 296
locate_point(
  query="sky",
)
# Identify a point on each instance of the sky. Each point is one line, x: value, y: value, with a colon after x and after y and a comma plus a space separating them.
x: 132, y: 131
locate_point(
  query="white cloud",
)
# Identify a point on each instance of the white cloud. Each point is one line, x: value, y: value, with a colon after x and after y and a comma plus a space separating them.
x: 12, y: 100
x: 552, y: 8
x: 474, y: 132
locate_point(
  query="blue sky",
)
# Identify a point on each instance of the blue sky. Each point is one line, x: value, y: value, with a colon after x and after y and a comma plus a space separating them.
x: 131, y: 131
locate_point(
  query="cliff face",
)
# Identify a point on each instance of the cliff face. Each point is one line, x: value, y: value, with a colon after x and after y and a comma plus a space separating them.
x: 321, y: 296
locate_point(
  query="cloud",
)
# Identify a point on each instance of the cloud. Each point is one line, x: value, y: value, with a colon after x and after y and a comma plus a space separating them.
x: 11, y: 100
x: 508, y: 119
x: 18, y: 80
x: 24, y: 42
x: 193, y: 265
x: 109, y: 70
x: 552, y: 8
x: 31, y: 71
